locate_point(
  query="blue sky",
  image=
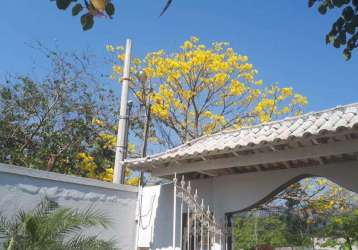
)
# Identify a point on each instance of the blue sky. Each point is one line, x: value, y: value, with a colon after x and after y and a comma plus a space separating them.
x: 283, y: 39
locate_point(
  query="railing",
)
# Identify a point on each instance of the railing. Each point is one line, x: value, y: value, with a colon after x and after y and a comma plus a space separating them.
x: 202, y: 232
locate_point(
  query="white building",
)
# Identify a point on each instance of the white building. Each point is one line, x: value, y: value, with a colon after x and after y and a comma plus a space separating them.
x: 234, y: 170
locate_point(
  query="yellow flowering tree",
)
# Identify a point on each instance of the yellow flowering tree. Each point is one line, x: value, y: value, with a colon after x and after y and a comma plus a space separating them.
x: 329, y: 198
x: 201, y: 89
x: 317, y: 198
x: 97, y: 162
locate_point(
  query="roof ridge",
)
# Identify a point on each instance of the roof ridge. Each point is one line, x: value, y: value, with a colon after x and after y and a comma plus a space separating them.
x: 228, y: 131
x: 311, y: 113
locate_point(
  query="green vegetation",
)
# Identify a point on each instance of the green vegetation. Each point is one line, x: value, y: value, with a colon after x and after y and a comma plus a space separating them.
x: 253, y: 231
x: 341, y: 231
x: 263, y: 229
x: 313, y: 209
x: 50, y: 227
x: 344, y: 32
x: 50, y: 123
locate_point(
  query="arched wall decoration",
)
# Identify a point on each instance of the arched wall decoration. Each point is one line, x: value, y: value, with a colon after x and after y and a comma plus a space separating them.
x: 273, y: 193
x: 234, y: 193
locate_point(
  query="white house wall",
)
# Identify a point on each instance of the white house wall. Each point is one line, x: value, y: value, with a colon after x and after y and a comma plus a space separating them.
x: 238, y: 192
x: 232, y: 193
x: 22, y: 188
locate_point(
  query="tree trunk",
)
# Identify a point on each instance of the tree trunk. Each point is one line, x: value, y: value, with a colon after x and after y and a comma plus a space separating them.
x: 349, y: 243
x: 51, y: 162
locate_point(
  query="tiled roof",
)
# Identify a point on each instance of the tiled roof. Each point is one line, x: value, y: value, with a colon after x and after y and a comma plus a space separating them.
x: 310, y: 124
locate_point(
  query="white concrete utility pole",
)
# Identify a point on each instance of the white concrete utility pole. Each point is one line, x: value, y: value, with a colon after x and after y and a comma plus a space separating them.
x: 118, y: 175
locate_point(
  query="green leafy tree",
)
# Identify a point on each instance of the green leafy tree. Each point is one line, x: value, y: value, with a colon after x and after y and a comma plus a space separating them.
x: 65, y: 122
x: 51, y: 227
x: 252, y: 231
x: 293, y: 204
x: 52, y: 123
x: 344, y: 32
x: 341, y: 231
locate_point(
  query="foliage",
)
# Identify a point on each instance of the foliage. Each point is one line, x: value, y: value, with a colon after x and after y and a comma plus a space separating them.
x: 331, y: 200
x: 311, y: 208
x: 251, y: 232
x: 344, y: 30
x: 94, y: 8
x: 200, y: 90
x: 341, y: 230
x: 314, y: 196
x: 308, y: 203
x: 49, y: 226
x: 65, y: 122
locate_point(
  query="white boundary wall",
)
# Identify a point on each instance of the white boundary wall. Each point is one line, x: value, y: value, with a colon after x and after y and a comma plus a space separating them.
x: 227, y: 194
x: 23, y: 188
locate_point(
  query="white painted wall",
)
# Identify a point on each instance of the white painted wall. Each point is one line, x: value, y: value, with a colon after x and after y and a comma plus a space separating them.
x: 148, y: 205
x: 22, y: 188
x: 235, y: 192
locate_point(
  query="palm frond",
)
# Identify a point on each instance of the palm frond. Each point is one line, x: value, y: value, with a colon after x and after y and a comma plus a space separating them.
x: 65, y: 221
x: 83, y: 242
x: 49, y: 226
x: 45, y: 207
x: 5, y: 226
x: 92, y: 217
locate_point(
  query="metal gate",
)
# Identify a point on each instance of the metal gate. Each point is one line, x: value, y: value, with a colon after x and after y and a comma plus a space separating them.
x: 198, y: 228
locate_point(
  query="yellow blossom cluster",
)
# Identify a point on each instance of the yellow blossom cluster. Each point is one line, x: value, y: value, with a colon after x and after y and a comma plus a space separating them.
x: 276, y: 101
x: 109, y: 140
x: 102, y: 169
x: 87, y: 164
x: 131, y: 179
x: 117, y: 69
x: 98, y: 122
x: 201, y: 89
x: 107, y: 175
x: 329, y: 197
x: 300, y: 99
x: 237, y: 88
